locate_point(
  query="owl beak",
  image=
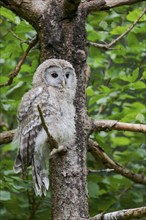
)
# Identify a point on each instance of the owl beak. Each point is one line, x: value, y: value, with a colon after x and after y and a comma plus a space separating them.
x: 63, y: 82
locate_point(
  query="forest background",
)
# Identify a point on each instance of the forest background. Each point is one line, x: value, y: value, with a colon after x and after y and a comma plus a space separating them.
x: 116, y: 91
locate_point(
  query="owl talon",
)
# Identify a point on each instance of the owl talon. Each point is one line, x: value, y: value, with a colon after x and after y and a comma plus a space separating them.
x: 59, y: 150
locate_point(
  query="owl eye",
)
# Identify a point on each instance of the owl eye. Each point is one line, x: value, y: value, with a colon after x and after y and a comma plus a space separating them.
x: 54, y: 75
x: 67, y: 75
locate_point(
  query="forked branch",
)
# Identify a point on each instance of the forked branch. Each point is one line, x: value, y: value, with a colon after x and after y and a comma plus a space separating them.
x: 122, y: 214
x: 98, y: 152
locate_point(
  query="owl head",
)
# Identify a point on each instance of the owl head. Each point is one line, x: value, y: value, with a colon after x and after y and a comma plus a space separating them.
x: 57, y: 73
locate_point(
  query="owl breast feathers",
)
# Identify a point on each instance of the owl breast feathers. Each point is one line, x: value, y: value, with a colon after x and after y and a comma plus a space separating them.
x: 53, y: 89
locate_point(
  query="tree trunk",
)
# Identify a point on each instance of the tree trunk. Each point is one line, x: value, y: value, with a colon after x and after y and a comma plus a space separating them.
x: 64, y: 38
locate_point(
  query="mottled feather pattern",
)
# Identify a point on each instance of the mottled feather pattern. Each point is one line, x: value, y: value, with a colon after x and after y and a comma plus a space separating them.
x: 53, y: 89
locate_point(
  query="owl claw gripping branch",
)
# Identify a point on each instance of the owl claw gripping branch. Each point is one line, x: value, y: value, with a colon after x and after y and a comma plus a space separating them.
x: 53, y: 89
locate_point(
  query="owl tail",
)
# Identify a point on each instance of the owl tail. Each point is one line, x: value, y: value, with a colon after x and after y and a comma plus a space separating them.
x: 40, y: 176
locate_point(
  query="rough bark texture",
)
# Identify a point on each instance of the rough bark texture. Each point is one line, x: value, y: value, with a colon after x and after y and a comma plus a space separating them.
x: 95, y: 5
x: 64, y: 37
x: 6, y: 136
x: 61, y: 34
x: 122, y: 215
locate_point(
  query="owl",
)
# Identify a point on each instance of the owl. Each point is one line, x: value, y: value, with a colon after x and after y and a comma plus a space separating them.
x: 53, y: 89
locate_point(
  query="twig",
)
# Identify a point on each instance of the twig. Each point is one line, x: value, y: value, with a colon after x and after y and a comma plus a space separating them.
x: 107, y: 46
x: 98, y: 152
x: 18, y: 38
x: 122, y: 214
x: 53, y: 143
x: 100, y: 171
x: 15, y: 72
x: 108, y: 125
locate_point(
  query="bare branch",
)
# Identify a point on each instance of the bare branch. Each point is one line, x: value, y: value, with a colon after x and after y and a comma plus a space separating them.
x: 98, y: 152
x: 53, y: 143
x: 15, y: 72
x: 107, y: 46
x: 122, y: 214
x: 7, y: 136
x: 100, y: 171
x: 96, y: 5
x: 98, y: 125
x: 108, y: 125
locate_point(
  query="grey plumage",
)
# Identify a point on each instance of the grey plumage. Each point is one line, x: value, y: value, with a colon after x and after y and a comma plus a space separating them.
x: 53, y: 89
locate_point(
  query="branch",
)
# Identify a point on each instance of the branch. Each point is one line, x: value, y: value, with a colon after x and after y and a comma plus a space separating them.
x: 28, y: 9
x: 99, y: 125
x: 22, y: 41
x: 107, y: 46
x: 52, y: 142
x: 70, y: 7
x: 96, y: 5
x: 108, y: 125
x: 7, y: 136
x: 98, y: 152
x: 122, y: 214
x: 100, y: 171
x: 15, y: 72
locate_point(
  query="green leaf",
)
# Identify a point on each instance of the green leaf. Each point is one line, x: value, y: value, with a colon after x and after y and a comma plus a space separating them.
x: 7, y: 14
x: 13, y: 92
x: 118, y: 30
x: 133, y: 41
x: 144, y: 74
x: 93, y: 189
x: 140, y: 117
x: 133, y: 15
x: 90, y: 91
x: 130, y: 77
x: 5, y: 195
x: 137, y: 85
x: 121, y: 141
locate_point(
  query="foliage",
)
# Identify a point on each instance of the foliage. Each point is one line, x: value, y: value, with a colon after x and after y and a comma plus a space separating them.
x: 116, y: 91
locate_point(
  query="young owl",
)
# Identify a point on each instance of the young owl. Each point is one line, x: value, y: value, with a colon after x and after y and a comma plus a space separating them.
x: 53, y: 89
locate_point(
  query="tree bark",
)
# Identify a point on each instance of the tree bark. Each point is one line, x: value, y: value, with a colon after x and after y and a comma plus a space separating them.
x: 108, y: 125
x: 95, y: 5
x: 122, y: 214
x: 64, y: 37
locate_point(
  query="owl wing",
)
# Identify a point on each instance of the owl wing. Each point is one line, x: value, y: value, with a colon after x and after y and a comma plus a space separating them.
x: 29, y: 128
